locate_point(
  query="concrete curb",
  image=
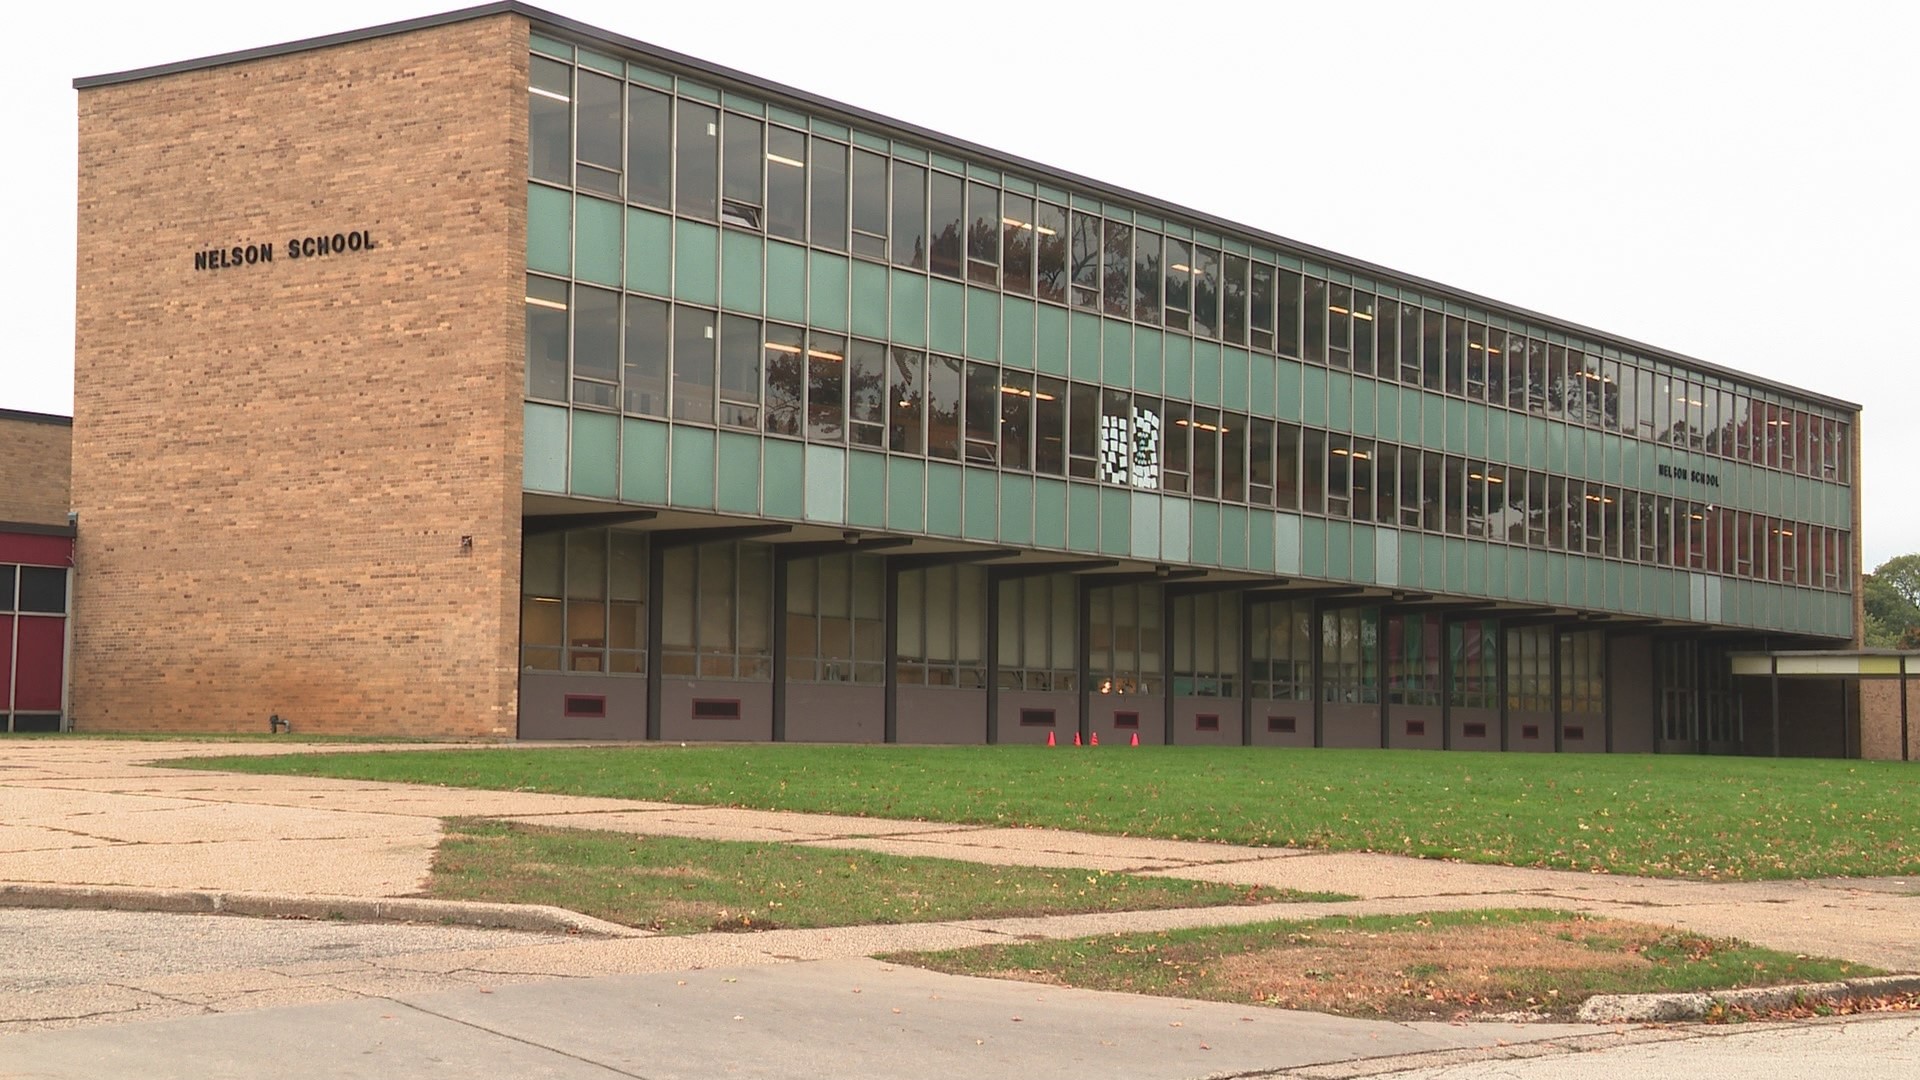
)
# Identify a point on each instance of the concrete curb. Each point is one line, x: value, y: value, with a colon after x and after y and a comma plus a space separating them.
x: 1654, y: 1008
x: 534, y: 917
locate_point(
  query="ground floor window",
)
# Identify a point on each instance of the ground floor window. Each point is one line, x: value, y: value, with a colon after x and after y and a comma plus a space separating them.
x: 1124, y: 639
x: 1476, y: 664
x: 941, y: 636
x: 1413, y: 659
x: 1282, y: 650
x: 1583, y: 673
x: 1530, y: 669
x: 1038, y: 633
x: 583, y: 602
x: 1206, y: 644
x: 836, y: 625
x: 716, y: 609
x: 1350, y: 655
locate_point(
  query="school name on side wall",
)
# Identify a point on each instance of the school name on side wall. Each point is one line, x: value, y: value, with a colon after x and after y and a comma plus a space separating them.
x: 299, y: 247
x: 1676, y: 472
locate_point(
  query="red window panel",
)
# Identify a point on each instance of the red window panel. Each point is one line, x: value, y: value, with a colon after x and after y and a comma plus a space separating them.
x: 6, y: 659
x: 42, y: 655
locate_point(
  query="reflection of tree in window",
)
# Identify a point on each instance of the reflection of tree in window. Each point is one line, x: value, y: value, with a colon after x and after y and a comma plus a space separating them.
x: 949, y: 242
x: 983, y: 234
x: 786, y: 379
x: 943, y: 407
x: 982, y: 413
x: 1050, y: 226
x: 1179, y: 279
x: 1086, y: 260
x: 909, y: 216
x: 1050, y: 426
x: 906, y: 401
x: 1206, y: 292
x: 1146, y: 276
x: 739, y: 372
x: 1117, y: 277
x: 1016, y: 243
x: 826, y: 387
x: 828, y: 226
x: 869, y: 204
x: 867, y: 393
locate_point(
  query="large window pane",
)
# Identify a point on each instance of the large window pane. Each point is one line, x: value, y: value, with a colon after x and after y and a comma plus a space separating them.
x: 646, y: 356
x: 867, y: 393
x: 1206, y: 292
x: 697, y: 182
x: 744, y: 161
x: 598, y: 139
x: 649, y: 147
x: 983, y: 413
x: 693, y: 354
x: 1016, y: 243
x: 1050, y: 228
x: 826, y: 387
x: 547, y: 336
x: 740, y: 371
x: 596, y: 346
x: 1179, y: 281
x: 829, y: 225
x: 1118, y: 274
x: 786, y: 183
x: 1016, y: 420
x: 983, y: 234
x: 943, y: 407
x: 906, y: 401
x: 786, y: 379
x: 550, y: 121
x: 1050, y: 426
x: 869, y: 204
x: 949, y: 243
x: 1086, y: 260
x: 909, y: 215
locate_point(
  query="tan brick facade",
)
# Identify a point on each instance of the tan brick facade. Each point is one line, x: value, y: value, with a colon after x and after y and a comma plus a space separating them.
x: 275, y: 464
x: 36, y: 459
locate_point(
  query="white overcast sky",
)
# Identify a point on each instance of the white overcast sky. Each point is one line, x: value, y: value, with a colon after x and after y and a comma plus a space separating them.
x: 1736, y: 181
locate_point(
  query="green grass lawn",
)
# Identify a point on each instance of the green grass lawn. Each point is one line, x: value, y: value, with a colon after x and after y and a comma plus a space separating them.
x: 1665, y: 816
x: 683, y: 886
x: 1433, y: 966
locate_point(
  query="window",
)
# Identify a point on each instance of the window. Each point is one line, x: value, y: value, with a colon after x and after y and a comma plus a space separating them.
x: 943, y: 407
x: 583, y: 602
x: 869, y: 204
x: 1016, y: 244
x: 909, y: 216
x: 1350, y: 655
x: 1086, y: 260
x: 739, y: 372
x: 835, y: 626
x: 1475, y: 644
x: 1413, y: 659
x: 547, y: 338
x: 906, y: 401
x: 1206, y: 292
x: 827, y: 225
x: 1529, y: 669
x: 1050, y: 426
x: 1117, y: 277
x: 1363, y: 319
x: 1123, y: 639
x: 1016, y: 420
x: 786, y: 183
x: 697, y: 180
x: 597, y: 142
x: 786, y: 378
x: 43, y: 589
x: 1206, y: 645
x: 646, y: 356
x: 826, y: 387
x: 1233, y: 301
x: 1146, y: 276
x: 693, y: 360
x: 1260, y: 318
x: 1050, y: 224
x: 730, y: 587
x: 649, y: 147
x: 550, y: 120
x: 1037, y: 641
x: 949, y: 243
x: 1287, y: 318
x: 1282, y: 651
x: 1083, y: 430
x: 941, y: 634
x: 743, y: 161
x: 1583, y: 673
x: 982, y: 413
x: 1179, y: 281
x: 983, y: 234
x: 596, y: 347
x: 1340, y: 326
x: 1314, y: 334
x: 867, y: 393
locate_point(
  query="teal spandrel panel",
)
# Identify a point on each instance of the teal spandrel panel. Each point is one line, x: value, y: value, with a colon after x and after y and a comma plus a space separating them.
x: 693, y: 455
x: 650, y: 253
x: 1233, y: 537
x: 1145, y: 523
x: 1206, y: 533
x: 1364, y: 549
x: 1456, y: 574
x: 596, y: 235
x: 1288, y: 375
x: 786, y: 282
x: 1313, y: 548
x: 983, y: 324
x: 1495, y: 436
x: 550, y: 46
x: 1339, y: 550
x: 739, y: 467
x: 784, y: 483
x: 595, y: 461
x: 1083, y: 518
x: 1556, y: 459
x: 1177, y: 367
x: 1085, y: 347
x: 1260, y: 552
x: 1434, y: 419
x: 1517, y: 563
x: 1363, y: 393
x: 1386, y: 556
x: 1262, y: 393
x: 602, y: 63
x: 545, y: 459
x: 826, y: 484
x: 1313, y: 396
x: 1016, y: 333
x: 943, y: 499
x: 827, y: 291
x: 1233, y: 380
x: 906, y: 494
x: 1340, y: 400
x: 1476, y: 422
x: 1116, y: 352
x: 869, y: 299
x: 909, y: 308
x: 946, y: 316
x: 742, y: 271
x: 1287, y: 541
x: 1050, y: 514
x: 1206, y: 373
x: 1477, y: 569
x: 1456, y: 418
x: 866, y: 489
x: 549, y: 230
x: 1148, y: 359
x: 1116, y: 525
x: 643, y: 462
x: 696, y: 263
x: 983, y: 502
x: 1016, y: 509
x: 1412, y: 407
x: 1176, y: 529
x: 1414, y: 572
x: 1050, y: 353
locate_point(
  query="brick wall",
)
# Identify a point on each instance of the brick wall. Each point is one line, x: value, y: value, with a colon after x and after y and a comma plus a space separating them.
x: 1880, y: 719
x: 274, y: 465
x: 36, y: 453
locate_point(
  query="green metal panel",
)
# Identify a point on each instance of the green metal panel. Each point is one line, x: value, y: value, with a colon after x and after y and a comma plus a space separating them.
x: 1177, y: 369
x: 649, y: 77
x: 1313, y: 548
x: 643, y: 462
x: 696, y: 262
x: 1363, y: 405
x: 869, y: 299
x: 1116, y: 523
x: 829, y: 128
x: 784, y: 486
x: 827, y: 291
x: 1496, y: 434
x: 983, y: 501
x: 1016, y: 333
x: 692, y: 468
x: 1050, y: 513
x: 983, y: 324
x: 596, y: 238
x: 742, y: 271
x: 699, y: 93
x: 906, y: 494
x: 1313, y: 396
x: 1477, y: 554
x: 1176, y: 528
x: 1085, y: 347
x: 595, y: 460
x: 744, y: 104
x: 1233, y: 380
x: 1339, y: 540
x: 551, y: 47
x: 549, y: 230
x: 1537, y: 570
x: 1537, y: 441
x: 1340, y: 400
x: 909, y: 308
x: 866, y: 489
x: 1415, y: 573
x: 1016, y: 509
x: 1206, y: 533
x: 739, y: 487
x: 786, y: 282
x: 1206, y: 373
x: 1083, y: 517
x: 1494, y: 572
x: 1289, y: 375
x: 1413, y: 405
x: 1433, y: 420
x: 826, y: 484
x: 943, y: 499
x: 1287, y: 543
x: 1233, y: 536
x: 1456, y: 573
x: 1145, y: 522
x: 1051, y: 356
x: 602, y: 63
x: 1556, y: 459
x: 1456, y: 414
x: 650, y: 253
x: 1147, y: 359
x: 1476, y: 422
x: 1386, y: 410
x: 946, y: 316
x: 1365, y: 554
x: 1260, y: 555
x: 545, y: 459
x: 1261, y: 386
x: 1116, y: 352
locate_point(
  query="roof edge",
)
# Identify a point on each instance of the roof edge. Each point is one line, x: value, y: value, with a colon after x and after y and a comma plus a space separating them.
x: 54, y: 419
x: 988, y: 155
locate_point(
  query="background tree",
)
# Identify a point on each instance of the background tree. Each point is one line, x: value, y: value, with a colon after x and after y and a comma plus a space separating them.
x: 1892, y: 599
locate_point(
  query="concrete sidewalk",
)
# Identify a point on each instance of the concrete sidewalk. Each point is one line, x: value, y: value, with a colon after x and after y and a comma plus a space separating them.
x: 85, y: 812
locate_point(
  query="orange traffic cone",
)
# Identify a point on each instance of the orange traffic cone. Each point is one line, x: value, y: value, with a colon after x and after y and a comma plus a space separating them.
x: 1136, y: 739
x: 1096, y: 738
x: 1049, y: 738
x: 1076, y: 738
